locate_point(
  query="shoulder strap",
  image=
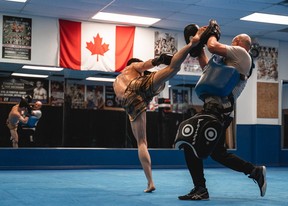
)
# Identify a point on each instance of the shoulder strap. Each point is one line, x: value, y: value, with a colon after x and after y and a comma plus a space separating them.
x: 252, y: 65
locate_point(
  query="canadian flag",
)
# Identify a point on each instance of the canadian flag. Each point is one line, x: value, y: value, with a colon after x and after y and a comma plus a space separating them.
x: 92, y: 46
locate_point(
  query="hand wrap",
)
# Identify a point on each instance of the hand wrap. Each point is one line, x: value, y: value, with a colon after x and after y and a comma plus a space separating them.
x: 162, y: 59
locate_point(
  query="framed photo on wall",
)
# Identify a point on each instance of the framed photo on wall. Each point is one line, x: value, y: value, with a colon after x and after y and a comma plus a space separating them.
x: 75, y: 95
x: 165, y: 43
x: 17, y: 38
x: 57, y: 93
x: 267, y: 64
x: 110, y: 98
x: 94, y: 97
x: 180, y: 99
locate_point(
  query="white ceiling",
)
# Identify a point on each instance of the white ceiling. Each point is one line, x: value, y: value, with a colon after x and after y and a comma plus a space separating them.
x: 174, y: 14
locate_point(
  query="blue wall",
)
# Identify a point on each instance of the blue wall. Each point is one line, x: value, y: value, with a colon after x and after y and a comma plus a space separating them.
x: 260, y: 144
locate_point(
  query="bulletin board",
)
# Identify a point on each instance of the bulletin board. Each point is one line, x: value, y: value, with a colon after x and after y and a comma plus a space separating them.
x: 267, y: 100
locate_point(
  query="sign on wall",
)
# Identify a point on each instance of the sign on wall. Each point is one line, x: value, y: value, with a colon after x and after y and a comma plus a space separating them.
x: 16, y: 41
x: 12, y: 89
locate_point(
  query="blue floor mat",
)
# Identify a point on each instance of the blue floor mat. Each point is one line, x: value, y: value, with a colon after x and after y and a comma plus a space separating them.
x: 125, y: 187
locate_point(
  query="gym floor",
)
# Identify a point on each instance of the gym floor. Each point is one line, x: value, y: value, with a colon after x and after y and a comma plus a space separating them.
x: 125, y: 187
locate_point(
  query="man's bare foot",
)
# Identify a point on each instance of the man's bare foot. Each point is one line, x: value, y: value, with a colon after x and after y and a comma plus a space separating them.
x: 150, y: 189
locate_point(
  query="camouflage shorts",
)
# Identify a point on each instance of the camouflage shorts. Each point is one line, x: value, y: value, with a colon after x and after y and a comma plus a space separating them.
x: 138, y: 95
x: 11, y: 126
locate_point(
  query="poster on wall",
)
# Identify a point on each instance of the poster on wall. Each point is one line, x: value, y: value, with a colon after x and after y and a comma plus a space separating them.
x: 57, y: 93
x: 16, y: 39
x: 110, y: 98
x: 75, y: 95
x: 267, y: 65
x: 190, y: 66
x: 13, y: 89
x: 165, y: 43
x: 180, y: 99
x: 94, y: 97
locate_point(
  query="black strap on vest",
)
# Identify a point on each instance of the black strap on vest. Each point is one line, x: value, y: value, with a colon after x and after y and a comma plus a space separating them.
x: 252, y: 65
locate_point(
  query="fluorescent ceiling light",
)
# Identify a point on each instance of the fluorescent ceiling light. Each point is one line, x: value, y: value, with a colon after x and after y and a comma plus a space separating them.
x: 125, y: 18
x: 21, y: 1
x: 100, y: 79
x: 42, y: 68
x: 29, y: 75
x: 267, y: 18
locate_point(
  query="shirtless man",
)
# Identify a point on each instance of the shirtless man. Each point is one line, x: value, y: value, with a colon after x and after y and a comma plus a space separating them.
x: 15, y: 116
x: 135, y: 89
x: 39, y: 92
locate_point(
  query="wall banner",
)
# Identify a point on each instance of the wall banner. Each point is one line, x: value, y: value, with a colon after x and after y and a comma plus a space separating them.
x: 13, y: 89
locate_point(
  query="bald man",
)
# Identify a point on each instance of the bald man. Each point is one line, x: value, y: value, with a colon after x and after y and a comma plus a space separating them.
x: 237, y: 56
x: 33, y: 120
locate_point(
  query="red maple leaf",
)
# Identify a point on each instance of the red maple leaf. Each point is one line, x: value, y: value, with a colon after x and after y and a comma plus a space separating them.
x: 97, y: 47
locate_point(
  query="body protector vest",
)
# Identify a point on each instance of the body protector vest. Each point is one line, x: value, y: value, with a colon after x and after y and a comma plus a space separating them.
x: 217, y: 79
x: 202, y: 131
x: 32, y: 122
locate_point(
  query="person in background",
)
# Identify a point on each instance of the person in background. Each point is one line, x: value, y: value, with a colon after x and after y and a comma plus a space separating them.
x: 34, y: 117
x: 15, y: 116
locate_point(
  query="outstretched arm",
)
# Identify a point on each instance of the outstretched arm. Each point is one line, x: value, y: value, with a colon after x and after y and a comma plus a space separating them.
x: 162, y: 59
x: 142, y: 66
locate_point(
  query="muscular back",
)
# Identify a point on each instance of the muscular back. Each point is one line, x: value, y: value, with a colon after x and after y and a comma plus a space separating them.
x: 124, y: 79
x: 14, y: 115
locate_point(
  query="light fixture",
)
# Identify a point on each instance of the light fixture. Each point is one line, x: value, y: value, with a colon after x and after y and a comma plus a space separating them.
x: 20, y: 1
x: 100, y: 79
x: 112, y: 17
x: 29, y: 75
x: 42, y: 68
x: 266, y: 18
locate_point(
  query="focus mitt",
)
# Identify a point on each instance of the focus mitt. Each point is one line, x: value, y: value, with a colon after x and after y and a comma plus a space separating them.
x: 212, y: 30
x: 190, y: 31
